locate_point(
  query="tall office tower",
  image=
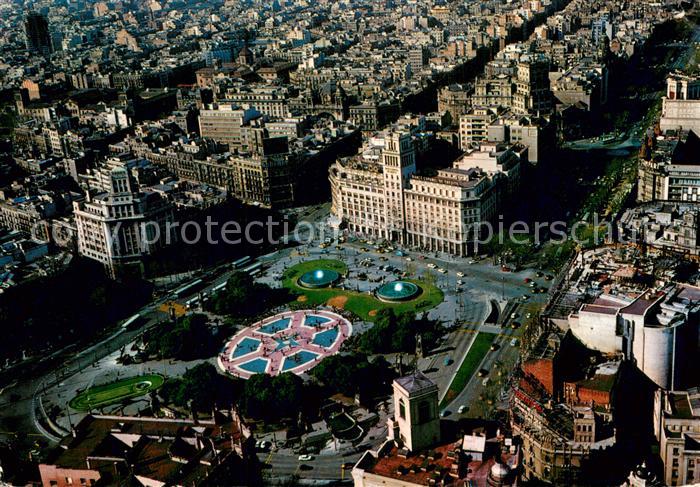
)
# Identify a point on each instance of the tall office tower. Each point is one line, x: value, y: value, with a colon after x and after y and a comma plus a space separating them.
x: 36, y: 30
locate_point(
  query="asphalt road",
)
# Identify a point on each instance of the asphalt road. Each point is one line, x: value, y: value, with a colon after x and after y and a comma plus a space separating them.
x: 322, y: 467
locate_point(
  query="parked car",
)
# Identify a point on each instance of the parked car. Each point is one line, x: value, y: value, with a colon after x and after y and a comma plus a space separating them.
x: 432, y: 266
x: 306, y: 457
x: 460, y: 274
x: 462, y: 408
x: 513, y: 342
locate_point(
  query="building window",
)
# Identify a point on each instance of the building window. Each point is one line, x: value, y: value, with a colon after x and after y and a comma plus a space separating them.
x: 424, y: 412
x: 402, y: 409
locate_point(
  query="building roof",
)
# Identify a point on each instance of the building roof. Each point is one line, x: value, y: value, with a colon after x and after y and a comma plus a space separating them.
x: 416, y: 382
x: 156, y: 448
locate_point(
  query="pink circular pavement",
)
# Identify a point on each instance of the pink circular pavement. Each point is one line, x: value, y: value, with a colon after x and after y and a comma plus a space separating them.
x: 293, y: 341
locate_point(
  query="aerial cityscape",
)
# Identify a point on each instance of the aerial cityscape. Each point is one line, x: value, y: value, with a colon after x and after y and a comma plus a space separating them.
x: 369, y: 243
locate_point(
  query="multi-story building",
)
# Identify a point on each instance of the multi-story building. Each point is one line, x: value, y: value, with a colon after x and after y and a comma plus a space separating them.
x: 668, y: 170
x: 582, y: 85
x: 657, y: 330
x: 496, y: 160
x: 532, y: 93
x: 681, y: 106
x: 37, y: 35
x: 29, y: 214
x: 537, y: 134
x: 456, y: 100
x: 377, y: 193
x: 372, y: 116
x: 562, y: 423
x: 443, y: 211
x: 266, y: 179
x: 474, y: 126
x: 494, y: 92
x: 268, y: 100
x: 677, y: 429
x: 672, y: 227
x: 223, y: 123
x: 417, y: 58
x: 122, y: 226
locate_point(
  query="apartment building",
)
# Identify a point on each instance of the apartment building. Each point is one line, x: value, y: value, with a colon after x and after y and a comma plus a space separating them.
x: 532, y: 88
x: 677, y: 429
x: 474, y: 126
x: 680, y: 108
x: 268, y: 100
x: 669, y: 169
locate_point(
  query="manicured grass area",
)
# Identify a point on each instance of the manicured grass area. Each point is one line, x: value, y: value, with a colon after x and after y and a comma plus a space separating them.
x: 363, y: 305
x: 115, y: 392
x: 476, y: 354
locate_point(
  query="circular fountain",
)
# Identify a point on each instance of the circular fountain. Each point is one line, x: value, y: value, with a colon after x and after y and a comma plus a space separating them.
x: 397, y: 291
x: 318, y: 278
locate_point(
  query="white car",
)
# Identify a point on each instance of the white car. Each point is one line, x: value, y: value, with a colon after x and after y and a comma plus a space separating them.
x: 442, y: 271
x: 462, y: 408
x: 460, y: 274
x: 305, y: 458
x: 485, y: 382
x: 408, y: 259
x: 513, y: 342
x: 432, y: 266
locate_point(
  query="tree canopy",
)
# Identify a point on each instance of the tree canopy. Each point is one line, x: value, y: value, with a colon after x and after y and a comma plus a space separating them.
x: 190, y: 338
x: 242, y: 297
x: 353, y: 373
x: 394, y: 333
x: 202, y: 385
x: 275, y: 398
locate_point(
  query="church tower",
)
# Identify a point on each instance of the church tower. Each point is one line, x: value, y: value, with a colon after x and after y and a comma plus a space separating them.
x: 416, y: 421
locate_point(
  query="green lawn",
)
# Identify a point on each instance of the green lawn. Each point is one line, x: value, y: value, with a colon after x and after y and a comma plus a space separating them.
x: 115, y: 392
x: 362, y: 304
x: 476, y: 354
